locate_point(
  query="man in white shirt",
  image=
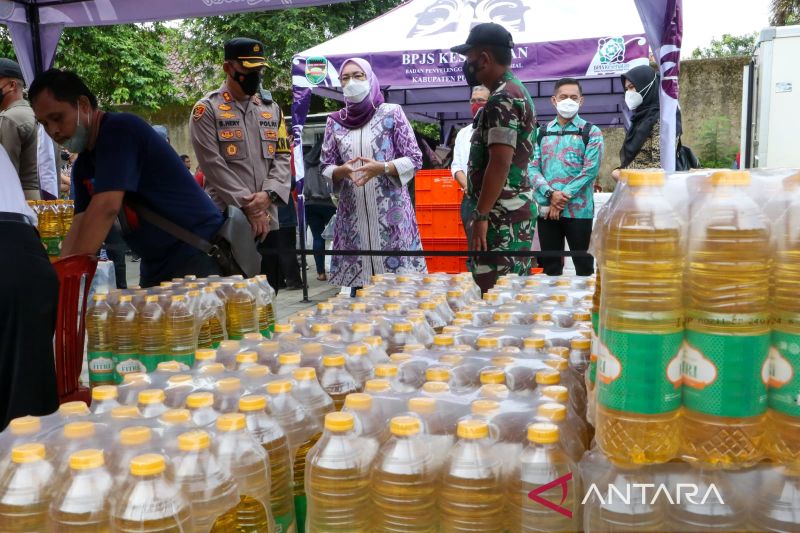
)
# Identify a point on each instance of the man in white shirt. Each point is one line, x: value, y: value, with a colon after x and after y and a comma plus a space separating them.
x: 480, y: 95
x: 27, y: 365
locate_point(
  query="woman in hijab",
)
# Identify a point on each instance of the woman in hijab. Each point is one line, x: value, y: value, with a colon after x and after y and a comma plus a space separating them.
x: 370, y: 154
x: 642, y: 145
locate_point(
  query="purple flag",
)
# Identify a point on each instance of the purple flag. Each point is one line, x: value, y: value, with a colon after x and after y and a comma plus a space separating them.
x: 663, y: 24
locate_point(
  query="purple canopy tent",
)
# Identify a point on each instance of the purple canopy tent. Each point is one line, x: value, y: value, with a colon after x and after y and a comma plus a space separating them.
x: 36, y: 25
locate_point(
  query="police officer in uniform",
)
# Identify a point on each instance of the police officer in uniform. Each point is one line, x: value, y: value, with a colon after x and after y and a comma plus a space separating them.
x: 242, y: 144
x: 18, y: 133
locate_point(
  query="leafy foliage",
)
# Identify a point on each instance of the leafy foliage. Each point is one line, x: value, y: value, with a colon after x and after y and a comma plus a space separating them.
x: 717, y: 146
x: 785, y: 12
x: 728, y: 46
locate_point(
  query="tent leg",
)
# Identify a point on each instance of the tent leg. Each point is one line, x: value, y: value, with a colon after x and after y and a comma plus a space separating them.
x: 32, y: 14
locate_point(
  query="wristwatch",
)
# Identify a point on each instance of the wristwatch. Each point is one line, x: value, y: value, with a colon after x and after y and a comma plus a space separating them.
x: 273, y: 196
x: 477, y: 216
x: 386, y: 167
x: 548, y: 193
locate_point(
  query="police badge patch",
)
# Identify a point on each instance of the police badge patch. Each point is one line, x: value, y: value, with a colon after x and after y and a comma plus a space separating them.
x: 198, y: 112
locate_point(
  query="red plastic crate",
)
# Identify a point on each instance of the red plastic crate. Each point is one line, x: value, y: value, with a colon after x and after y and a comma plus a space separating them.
x: 440, y: 222
x: 450, y: 265
x: 437, y: 187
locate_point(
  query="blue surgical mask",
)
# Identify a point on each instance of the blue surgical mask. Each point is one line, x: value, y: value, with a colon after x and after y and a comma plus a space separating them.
x: 77, y: 143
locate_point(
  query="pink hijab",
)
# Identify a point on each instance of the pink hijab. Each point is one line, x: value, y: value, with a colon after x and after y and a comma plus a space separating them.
x: 355, y: 115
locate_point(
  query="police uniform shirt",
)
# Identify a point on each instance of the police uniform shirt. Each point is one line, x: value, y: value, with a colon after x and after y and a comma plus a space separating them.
x: 242, y: 147
x: 18, y: 136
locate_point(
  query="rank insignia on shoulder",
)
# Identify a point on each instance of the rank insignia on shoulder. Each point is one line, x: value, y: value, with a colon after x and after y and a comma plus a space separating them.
x: 198, y: 112
x: 227, y: 115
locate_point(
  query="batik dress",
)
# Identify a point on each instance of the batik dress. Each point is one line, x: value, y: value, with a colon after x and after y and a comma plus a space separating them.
x: 379, y: 215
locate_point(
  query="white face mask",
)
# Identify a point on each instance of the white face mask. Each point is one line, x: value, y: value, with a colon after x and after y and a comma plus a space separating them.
x: 356, y: 90
x: 633, y: 99
x: 567, y: 108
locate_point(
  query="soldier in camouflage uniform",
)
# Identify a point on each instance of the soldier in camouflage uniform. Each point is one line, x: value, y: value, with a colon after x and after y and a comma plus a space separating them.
x: 504, y: 213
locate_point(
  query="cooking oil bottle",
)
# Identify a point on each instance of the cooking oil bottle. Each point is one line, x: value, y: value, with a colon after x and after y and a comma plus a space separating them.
x: 784, y: 380
x: 337, y: 482
x: 471, y: 492
x: 240, y: 311
x: 725, y: 363
x: 25, y: 489
x: 777, y: 507
x: 181, y: 341
x: 212, y: 310
x: 99, y: 347
x: 152, y: 339
x: 104, y: 399
x: 269, y: 434
x: 641, y: 315
x: 149, y: 500
x: 311, y: 395
x: 50, y: 230
x: 405, y: 467
x: 201, y: 407
x: 81, y: 504
x: 226, y: 395
x: 369, y: 422
x: 131, y: 441
x: 211, y: 490
x: 336, y: 380
x: 125, y: 334
x: 542, y: 462
x: 241, y: 455
x: 591, y: 373
x: 269, y: 309
x: 151, y: 403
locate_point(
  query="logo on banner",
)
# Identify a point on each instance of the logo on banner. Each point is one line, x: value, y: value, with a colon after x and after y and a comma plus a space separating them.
x: 611, y: 50
x: 615, y: 55
x: 316, y: 69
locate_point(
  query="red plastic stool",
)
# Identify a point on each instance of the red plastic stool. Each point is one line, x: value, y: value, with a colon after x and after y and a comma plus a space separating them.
x: 75, y: 275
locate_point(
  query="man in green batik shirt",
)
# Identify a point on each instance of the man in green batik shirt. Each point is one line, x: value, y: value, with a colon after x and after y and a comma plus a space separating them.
x: 498, y: 185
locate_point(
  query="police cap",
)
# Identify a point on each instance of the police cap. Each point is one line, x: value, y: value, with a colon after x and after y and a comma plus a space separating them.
x: 249, y: 51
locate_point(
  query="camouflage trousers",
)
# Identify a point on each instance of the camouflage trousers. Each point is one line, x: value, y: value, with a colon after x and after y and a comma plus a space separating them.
x: 516, y: 236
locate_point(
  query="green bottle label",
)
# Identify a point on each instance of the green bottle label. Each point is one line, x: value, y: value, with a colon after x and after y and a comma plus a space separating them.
x: 126, y: 364
x: 300, y: 512
x: 265, y: 333
x: 101, y: 367
x: 150, y: 361
x: 639, y: 372
x: 52, y: 245
x: 215, y: 345
x: 784, y: 373
x: 284, y: 523
x: 595, y: 348
x: 725, y: 375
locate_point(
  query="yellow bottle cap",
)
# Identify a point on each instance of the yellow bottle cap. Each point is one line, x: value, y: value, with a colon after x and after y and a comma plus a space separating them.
x: 135, y: 435
x: 472, y: 429
x: 559, y: 351
x: 443, y: 340
x: 451, y: 359
x: 212, y: 369
x: 461, y: 322
x: 197, y: 400
x: 126, y: 298
x: 488, y: 342
x: 581, y: 316
x: 99, y: 297
x: 548, y: 377
x: 357, y: 349
x: 558, y: 393
x: 559, y: 298
x: 422, y: 405
x: 151, y: 298
x: 402, y: 327
x: 385, y: 370
x: 79, y: 430
x: 494, y: 390
x: 231, y: 422
x: 253, y: 337
x: 377, y: 385
x: 451, y: 330
x: 176, y: 416
x: 333, y: 360
x: 491, y: 297
x: 125, y: 411
x: 104, y: 392
x: 322, y: 328
x: 525, y: 298
x: 492, y: 377
x: 555, y: 412
x: 86, y: 459
x: 25, y: 425
x: 427, y: 306
x: 404, y: 426
x: 28, y: 453
x: 280, y: 386
x: 435, y: 387
x: 252, y: 402
x: 580, y: 344
x: 542, y: 317
x: 543, y: 433
x: 398, y: 358
x: 502, y: 317
x: 151, y: 396
x: 503, y: 360
x: 455, y: 294
x: 269, y: 346
x: 339, y: 422
x: 168, y: 366
x: 305, y: 373
x: 177, y: 297
x: 177, y: 379
x: 289, y: 358
x: 484, y: 407
x: 240, y: 285
x: 229, y: 384
x: 533, y: 343
x: 557, y: 364
x: 230, y: 346
x: 325, y: 306
x: 149, y: 464
x: 359, y: 307
x: 194, y: 440
x: 205, y: 354
x: 358, y: 401
x: 410, y: 348
x: 246, y: 357
x: 639, y: 178
x: 73, y: 408
x: 373, y: 340
x: 392, y: 293
x: 423, y: 293
x: 284, y: 328
x: 467, y: 315
x: 133, y: 377
x: 437, y: 374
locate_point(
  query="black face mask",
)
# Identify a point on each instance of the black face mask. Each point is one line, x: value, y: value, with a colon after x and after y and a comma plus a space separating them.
x: 471, y: 73
x: 249, y: 82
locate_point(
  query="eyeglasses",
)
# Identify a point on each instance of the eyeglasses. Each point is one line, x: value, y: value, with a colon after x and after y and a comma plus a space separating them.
x: 360, y: 76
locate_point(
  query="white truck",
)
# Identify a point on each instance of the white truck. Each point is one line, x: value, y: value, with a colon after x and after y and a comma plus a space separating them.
x: 771, y: 101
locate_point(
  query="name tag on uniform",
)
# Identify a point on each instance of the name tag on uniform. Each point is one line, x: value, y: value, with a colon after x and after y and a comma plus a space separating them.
x: 229, y: 124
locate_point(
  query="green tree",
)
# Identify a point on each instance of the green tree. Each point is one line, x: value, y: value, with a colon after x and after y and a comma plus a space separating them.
x: 785, y: 12
x: 729, y: 45
x: 717, y: 146
x: 283, y: 32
